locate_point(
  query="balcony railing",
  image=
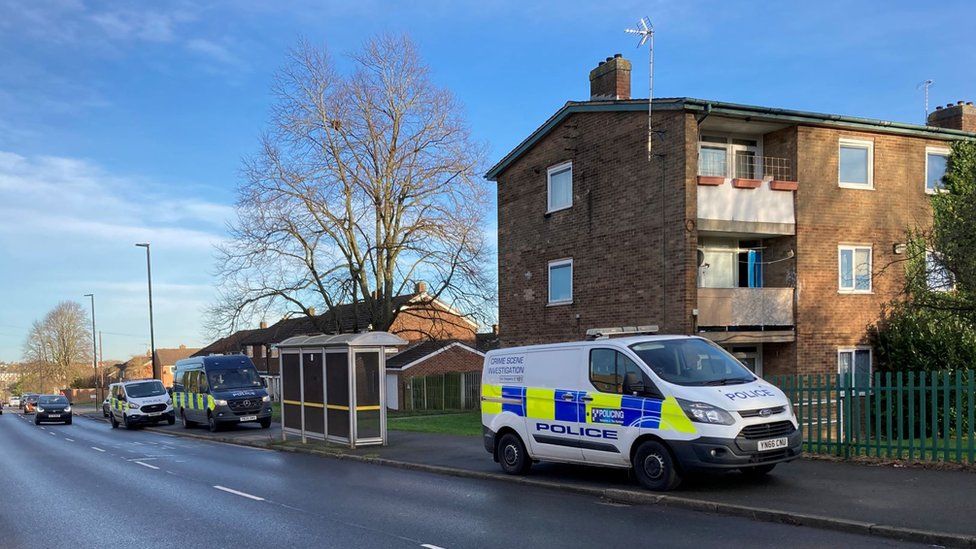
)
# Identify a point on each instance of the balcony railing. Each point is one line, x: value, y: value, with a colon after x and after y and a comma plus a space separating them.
x: 728, y: 307
x: 745, y: 165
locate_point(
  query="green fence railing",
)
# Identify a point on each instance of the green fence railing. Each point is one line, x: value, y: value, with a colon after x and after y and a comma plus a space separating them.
x: 924, y: 416
x: 449, y: 391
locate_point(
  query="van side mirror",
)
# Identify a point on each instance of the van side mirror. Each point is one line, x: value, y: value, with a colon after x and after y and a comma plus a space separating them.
x: 633, y: 384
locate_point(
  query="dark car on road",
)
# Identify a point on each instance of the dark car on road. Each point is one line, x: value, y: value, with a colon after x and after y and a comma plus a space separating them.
x: 53, y: 408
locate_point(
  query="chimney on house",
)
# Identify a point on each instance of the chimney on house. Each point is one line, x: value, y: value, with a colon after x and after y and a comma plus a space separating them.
x: 311, y: 311
x: 961, y: 116
x: 263, y: 324
x: 494, y: 329
x: 182, y: 346
x: 420, y: 287
x: 610, y: 79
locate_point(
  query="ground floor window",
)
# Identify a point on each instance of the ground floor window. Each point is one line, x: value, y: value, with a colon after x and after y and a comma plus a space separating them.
x: 750, y: 356
x: 854, y: 366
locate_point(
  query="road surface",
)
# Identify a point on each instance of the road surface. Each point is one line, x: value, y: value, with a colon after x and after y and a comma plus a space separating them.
x: 87, y: 485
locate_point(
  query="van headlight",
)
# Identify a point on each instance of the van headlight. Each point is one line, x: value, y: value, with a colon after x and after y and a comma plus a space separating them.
x: 703, y: 412
x: 220, y: 402
x: 39, y: 409
x: 133, y: 406
x: 266, y: 398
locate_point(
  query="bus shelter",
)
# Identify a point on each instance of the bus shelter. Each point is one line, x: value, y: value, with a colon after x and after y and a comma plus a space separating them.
x: 333, y: 386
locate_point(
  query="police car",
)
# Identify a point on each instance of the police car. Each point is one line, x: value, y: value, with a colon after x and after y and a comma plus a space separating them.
x: 139, y: 402
x: 219, y: 391
x: 664, y: 406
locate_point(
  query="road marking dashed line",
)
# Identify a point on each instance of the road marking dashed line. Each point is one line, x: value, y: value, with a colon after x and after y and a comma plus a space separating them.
x: 237, y: 493
x: 69, y: 439
x: 97, y: 449
x: 147, y: 465
x: 431, y: 546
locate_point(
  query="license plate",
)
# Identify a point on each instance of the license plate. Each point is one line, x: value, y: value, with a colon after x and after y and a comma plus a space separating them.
x: 773, y: 444
x: 155, y: 413
x: 249, y: 418
x: 54, y: 415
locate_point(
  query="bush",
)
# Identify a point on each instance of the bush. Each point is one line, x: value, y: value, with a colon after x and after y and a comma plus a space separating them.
x: 911, y: 339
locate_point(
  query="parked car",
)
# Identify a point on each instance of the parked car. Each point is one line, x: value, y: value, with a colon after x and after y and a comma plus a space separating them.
x: 15, y: 402
x: 53, y: 408
x: 140, y: 402
x: 664, y: 406
x: 30, y: 403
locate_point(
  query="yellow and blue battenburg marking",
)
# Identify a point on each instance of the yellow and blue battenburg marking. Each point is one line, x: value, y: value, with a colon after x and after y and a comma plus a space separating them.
x: 193, y: 401
x: 586, y: 407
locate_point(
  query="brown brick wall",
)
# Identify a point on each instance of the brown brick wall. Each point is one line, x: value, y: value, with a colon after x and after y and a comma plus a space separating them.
x: 614, y: 230
x: 431, y: 323
x: 828, y: 215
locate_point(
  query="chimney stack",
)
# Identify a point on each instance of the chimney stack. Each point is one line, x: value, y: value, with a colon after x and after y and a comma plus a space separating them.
x: 610, y: 79
x: 311, y: 311
x: 961, y: 116
x: 420, y: 287
x: 263, y: 324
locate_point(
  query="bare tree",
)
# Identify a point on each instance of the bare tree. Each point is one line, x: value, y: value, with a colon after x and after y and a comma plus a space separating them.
x: 58, y: 347
x: 364, y: 184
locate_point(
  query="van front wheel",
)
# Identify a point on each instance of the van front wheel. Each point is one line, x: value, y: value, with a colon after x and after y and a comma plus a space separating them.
x: 512, y: 455
x: 655, y: 468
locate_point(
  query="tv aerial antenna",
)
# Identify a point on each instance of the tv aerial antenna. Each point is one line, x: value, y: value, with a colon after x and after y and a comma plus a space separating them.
x: 645, y: 30
x: 926, y: 84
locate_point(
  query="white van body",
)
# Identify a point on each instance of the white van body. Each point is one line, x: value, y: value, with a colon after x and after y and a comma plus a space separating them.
x: 566, y: 403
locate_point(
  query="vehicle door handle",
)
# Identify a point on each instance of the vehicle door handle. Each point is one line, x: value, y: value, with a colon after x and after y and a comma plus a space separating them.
x: 569, y: 397
x: 586, y: 399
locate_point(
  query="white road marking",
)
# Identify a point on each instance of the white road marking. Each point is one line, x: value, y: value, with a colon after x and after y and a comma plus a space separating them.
x: 52, y: 434
x: 431, y: 546
x: 235, y: 492
x: 97, y: 449
x: 147, y: 465
x: 69, y: 439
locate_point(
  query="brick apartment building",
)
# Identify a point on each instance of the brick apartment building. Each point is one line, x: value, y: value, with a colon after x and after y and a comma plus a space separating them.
x: 776, y: 233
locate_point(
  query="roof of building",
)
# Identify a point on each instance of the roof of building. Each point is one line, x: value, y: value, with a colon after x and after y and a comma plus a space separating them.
x: 350, y: 319
x: 721, y: 108
x: 486, y: 341
x: 363, y: 339
x: 168, y: 357
x: 424, y: 350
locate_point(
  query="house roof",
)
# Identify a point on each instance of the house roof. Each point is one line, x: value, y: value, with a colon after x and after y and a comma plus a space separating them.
x: 486, y: 341
x: 721, y: 108
x: 424, y: 350
x: 166, y: 357
x: 224, y: 345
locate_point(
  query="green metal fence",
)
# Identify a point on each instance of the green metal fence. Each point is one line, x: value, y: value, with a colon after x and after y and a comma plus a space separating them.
x: 450, y: 391
x: 925, y: 416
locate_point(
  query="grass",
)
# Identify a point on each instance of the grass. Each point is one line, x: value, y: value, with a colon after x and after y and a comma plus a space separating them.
x: 456, y: 423
x: 449, y: 422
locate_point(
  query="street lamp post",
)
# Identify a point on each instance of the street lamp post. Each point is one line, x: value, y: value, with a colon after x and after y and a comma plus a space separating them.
x: 152, y: 337
x: 94, y: 348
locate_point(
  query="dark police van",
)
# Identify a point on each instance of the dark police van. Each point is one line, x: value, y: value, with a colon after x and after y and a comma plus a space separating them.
x: 220, y: 391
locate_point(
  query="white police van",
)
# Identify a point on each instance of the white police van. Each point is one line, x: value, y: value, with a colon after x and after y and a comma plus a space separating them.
x: 140, y: 402
x: 662, y: 405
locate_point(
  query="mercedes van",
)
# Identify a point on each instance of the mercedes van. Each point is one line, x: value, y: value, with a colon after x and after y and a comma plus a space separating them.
x: 219, y: 391
x: 664, y: 406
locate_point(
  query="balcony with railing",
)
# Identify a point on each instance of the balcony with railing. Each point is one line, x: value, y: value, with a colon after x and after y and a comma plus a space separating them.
x: 763, y: 313
x: 740, y: 191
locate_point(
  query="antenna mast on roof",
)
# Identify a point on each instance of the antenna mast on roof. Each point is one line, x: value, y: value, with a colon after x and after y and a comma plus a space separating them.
x: 646, y: 32
x: 926, y: 84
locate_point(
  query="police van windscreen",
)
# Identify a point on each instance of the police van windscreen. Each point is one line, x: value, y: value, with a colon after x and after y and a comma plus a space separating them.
x: 145, y: 389
x: 692, y: 362
x: 234, y: 378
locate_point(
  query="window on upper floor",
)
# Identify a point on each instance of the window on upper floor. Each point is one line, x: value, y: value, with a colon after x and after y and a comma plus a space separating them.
x: 856, y: 164
x: 560, y: 186
x: 854, y: 269
x: 715, y: 152
x: 937, y: 277
x: 561, y: 282
x: 936, y: 160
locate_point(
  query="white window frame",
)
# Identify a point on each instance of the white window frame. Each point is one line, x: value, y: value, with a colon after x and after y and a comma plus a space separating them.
x: 551, y: 170
x: 853, y: 351
x: 840, y: 273
x: 731, y: 148
x: 559, y: 263
x: 928, y: 280
x: 857, y: 144
x: 942, y: 151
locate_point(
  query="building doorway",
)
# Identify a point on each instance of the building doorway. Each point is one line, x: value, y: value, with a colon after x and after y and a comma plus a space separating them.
x: 750, y: 356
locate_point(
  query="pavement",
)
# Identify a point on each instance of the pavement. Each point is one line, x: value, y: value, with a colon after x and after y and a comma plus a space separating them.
x: 89, y: 485
x: 924, y: 505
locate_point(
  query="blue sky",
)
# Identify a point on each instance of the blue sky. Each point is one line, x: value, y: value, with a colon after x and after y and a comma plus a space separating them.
x: 127, y: 121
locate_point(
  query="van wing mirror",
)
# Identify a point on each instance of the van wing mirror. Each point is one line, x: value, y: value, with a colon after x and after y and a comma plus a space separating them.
x: 633, y: 384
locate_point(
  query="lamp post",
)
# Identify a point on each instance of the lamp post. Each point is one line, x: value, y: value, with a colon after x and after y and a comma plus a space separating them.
x: 152, y: 337
x: 94, y: 348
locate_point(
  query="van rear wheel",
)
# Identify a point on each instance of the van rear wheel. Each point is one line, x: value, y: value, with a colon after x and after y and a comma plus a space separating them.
x: 512, y: 455
x: 655, y: 468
